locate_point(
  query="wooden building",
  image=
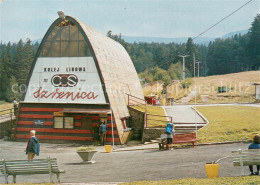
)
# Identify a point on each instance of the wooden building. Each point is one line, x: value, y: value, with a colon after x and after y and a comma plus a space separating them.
x: 79, y: 77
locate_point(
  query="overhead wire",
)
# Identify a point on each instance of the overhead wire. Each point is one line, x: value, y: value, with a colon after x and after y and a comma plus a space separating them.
x: 222, y: 19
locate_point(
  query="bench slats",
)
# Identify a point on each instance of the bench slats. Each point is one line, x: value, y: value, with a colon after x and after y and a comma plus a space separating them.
x: 245, y: 158
x: 25, y: 167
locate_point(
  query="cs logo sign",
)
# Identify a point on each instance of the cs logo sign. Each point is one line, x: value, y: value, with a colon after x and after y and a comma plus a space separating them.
x: 64, y: 80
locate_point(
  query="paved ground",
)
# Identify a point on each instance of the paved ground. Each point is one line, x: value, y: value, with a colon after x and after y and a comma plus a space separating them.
x: 183, y: 114
x: 125, y: 166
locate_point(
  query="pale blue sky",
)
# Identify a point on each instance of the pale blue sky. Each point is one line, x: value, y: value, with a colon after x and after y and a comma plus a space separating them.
x: 149, y: 18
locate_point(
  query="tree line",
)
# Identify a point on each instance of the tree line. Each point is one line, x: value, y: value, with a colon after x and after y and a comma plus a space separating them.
x: 153, y: 61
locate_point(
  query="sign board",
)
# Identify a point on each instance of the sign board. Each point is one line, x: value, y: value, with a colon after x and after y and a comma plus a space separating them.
x: 38, y: 122
x: 57, y: 113
x: 257, y: 92
x: 69, y: 121
x: 65, y: 80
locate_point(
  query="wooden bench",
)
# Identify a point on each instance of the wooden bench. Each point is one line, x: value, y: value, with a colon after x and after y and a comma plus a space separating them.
x: 245, y: 158
x: 179, y: 139
x: 28, y: 167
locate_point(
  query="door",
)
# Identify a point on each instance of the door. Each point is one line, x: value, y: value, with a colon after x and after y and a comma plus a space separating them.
x: 86, y: 124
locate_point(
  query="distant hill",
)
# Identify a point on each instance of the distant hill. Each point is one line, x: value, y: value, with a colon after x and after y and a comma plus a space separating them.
x: 178, y: 40
x: 242, y: 32
x: 200, y: 40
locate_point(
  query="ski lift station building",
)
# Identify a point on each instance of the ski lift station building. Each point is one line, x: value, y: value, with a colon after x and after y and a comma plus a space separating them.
x: 79, y: 78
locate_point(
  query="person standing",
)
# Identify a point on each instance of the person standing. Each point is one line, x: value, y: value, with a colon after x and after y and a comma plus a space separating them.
x: 15, y: 104
x: 102, y: 131
x: 96, y: 135
x: 33, y: 146
x: 255, y: 145
x: 169, y: 131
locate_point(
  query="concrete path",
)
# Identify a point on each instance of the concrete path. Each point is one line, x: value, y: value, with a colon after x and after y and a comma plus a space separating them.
x: 183, y: 114
x: 126, y: 166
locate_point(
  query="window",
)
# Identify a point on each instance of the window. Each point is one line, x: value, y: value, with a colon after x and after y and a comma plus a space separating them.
x: 64, y: 122
x: 65, y: 40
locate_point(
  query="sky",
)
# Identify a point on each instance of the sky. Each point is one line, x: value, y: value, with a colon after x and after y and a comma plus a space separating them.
x: 147, y: 18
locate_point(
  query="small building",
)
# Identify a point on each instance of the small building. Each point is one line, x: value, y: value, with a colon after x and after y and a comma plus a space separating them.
x: 257, y: 90
x: 79, y: 77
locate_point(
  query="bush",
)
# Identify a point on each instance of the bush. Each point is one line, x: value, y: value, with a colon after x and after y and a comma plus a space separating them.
x: 86, y: 149
x: 186, y: 83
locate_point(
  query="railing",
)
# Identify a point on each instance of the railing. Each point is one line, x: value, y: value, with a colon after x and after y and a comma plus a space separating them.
x: 157, y: 119
x: 7, y: 113
x: 149, y: 119
x: 136, y: 102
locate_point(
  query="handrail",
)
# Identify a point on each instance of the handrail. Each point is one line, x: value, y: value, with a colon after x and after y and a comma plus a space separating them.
x: 135, y: 97
x: 9, y: 113
x: 155, y: 118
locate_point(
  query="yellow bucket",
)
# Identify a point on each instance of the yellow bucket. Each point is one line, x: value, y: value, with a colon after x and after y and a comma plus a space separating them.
x: 108, y: 148
x: 212, y: 170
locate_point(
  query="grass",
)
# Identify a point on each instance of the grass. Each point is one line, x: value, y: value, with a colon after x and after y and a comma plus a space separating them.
x: 229, y: 123
x: 239, y: 84
x: 252, y: 180
x: 155, y: 121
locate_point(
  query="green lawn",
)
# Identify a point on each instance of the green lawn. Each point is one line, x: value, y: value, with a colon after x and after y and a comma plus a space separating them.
x: 229, y: 123
x: 252, y: 180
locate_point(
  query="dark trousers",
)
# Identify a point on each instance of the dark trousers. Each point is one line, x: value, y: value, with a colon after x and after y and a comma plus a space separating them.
x: 169, y: 140
x: 102, y: 138
x: 251, y: 168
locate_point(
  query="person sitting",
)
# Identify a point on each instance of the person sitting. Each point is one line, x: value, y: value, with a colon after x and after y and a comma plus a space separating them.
x: 255, y: 145
x: 169, y: 131
x: 162, y: 141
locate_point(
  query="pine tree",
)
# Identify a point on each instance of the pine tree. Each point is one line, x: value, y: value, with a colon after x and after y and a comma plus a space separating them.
x: 19, y: 59
x: 27, y: 60
x: 254, y: 44
x: 6, y: 71
x: 12, y: 90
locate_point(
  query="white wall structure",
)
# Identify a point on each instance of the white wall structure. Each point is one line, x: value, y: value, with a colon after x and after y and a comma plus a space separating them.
x: 257, y: 92
x: 65, y: 80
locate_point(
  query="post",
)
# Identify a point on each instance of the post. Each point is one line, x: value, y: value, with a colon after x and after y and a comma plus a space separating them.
x: 5, y: 171
x: 11, y: 116
x: 195, y: 99
x: 112, y: 124
x: 145, y: 114
x: 241, y: 162
x: 198, y: 68
x: 49, y: 166
x: 183, y: 65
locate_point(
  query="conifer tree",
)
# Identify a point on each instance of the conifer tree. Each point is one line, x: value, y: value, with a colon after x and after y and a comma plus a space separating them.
x: 254, y: 44
x: 27, y: 60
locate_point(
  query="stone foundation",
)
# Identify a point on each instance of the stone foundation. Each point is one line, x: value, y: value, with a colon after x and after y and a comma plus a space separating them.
x: 151, y: 133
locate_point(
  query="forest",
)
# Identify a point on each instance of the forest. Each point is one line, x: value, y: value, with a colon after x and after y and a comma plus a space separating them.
x: 153, y: 61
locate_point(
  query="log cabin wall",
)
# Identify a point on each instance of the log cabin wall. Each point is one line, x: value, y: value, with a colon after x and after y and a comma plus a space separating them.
x: 40, y: 117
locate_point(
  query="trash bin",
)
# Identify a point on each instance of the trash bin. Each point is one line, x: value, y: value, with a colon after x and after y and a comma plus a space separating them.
x: 108, y: 148
x: 212, y: 170
x: 6, y: 135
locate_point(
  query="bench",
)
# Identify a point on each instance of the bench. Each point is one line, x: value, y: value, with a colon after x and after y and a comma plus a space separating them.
x: 245, y: 158
x: 179, y: 139
x: 29, y: 167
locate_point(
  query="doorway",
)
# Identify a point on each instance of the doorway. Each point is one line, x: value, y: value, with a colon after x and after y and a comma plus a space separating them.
x: 86, y: 124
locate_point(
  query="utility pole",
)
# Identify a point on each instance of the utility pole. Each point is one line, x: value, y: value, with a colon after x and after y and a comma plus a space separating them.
x: 198, y: 68
x: 195, y: 101
x: 183, y: 65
